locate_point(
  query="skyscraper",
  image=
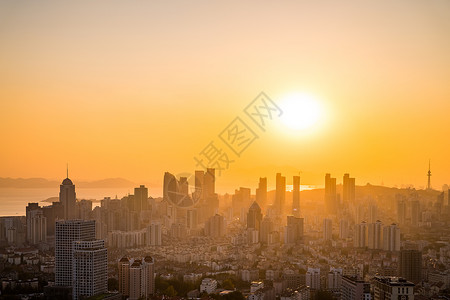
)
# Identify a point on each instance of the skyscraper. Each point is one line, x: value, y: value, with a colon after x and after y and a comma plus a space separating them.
x: 67, y: 197
x: 280, y: 193
x: 254, y: 216
x: 90, y: 268
x: 137, y: 277
x: 296, y: 196
x: 391, y: 238
x: 141, y: 198
x: 343, y: 229
x: 348, y: 187
x: 410, y: 265
x: 360, y: 235
x: 67, y: 232
x: 327, y: 229
x: 330, y: 194
x: 374, y: 235
x: 294, y: 230
x: 124, y: 276
x: 261, y: 192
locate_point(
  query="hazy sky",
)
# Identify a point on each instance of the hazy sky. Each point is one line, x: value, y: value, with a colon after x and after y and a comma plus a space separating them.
x: 135, y: 88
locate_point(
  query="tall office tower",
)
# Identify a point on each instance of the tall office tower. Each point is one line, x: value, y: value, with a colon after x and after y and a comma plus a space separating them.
x: 330, y: 194
x: 392, y: 288
x: 374, y: 236
x: 348, y: 189
x: 52, y: 213
x: 280, y: 193
x: 141, y: 198
x: 296, y: 196
x: 67, y: 232
x: 313, y: 278
x: 38, y: 228
x: 294, y: 230
x: 199, y: 177
x: 240, y: 201
x: 209, y: 183
x: 261, y: 192
x: 410, y: 265
x: 415, y: 213
x: 124, y: 276
x: 373, y: 213
x: 327, y: 229
x: 334, y: 279
x: 84, y: 209
x: 343, y: 229
x: 391, y: 238
x: 354, y: 289
x: 142, y: 280
x: 31, y: 210
x: 266, y: 229
x: 67, y: 197
x: 254, y: 216
x: 153, y: 235
x: 90, y: 268
x: 401, y: 209
x: 191, y: 218
x: 215, y: 226
x: 360, y: 235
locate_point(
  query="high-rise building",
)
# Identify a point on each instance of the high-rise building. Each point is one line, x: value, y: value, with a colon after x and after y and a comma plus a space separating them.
x: 280, y: 193
x: 334, y: 279
x: 209, y: 183
x: 354, y: 289
x: 153, y: 234
x: 373, y: 213
x: 38, y: 228
x: 137, y: 277
x: 374, y: 235
x: 240, y: 202
x: 141, y: 198
x: 67, y: 232
x: 327, y: 229
x: 330, y: 194
x: 67, y: 197
x: 294, y: 230
x: 343, y: 229
x: 313, y: 278
x: 30, y: 211
x: 296, y: 196
x: 391, y: 238
x: 261, y: 192
x: 90, y: 268
x: 415, y: 213
x: 124, y: 276
x: 215, y: 226
x: 410, y: 265
x: 360, y: 235
x: 254, y: 216
x: 348, y: 189
x: 266, y: 229
x: 401, y: 210
x: 392, y: 288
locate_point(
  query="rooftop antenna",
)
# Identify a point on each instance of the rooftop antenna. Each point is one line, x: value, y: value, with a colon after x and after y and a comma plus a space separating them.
x: 67, y: 170
x: 429, y: 175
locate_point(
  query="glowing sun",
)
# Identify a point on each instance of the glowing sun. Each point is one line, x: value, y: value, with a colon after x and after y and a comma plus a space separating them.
x: 300, y: 111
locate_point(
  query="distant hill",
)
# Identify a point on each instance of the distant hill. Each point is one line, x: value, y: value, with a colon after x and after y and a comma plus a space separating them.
x: 45, y: 183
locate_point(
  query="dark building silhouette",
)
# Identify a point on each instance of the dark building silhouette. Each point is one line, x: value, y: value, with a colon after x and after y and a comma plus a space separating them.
x: 261, y: 192
x: 330, y: 194
x: 280, y: 193
x: 254, y: 216
x: 296, y: 196
x: 67, y: 197
x: 410, y: 265
x: 348, y: 189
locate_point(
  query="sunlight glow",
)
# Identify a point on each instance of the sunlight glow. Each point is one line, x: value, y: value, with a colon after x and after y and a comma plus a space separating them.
x: 300, y: 111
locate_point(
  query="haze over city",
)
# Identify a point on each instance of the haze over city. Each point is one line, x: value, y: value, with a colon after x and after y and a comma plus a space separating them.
x: 257, y: 150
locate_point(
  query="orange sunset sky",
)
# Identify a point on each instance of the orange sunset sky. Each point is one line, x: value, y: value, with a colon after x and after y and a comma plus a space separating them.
x: 135, y: 88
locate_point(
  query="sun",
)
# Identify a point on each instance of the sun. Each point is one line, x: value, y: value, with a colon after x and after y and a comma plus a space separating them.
x: 300, y: 111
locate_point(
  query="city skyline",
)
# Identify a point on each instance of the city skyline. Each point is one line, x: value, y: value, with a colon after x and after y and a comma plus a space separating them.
x: 141, y: 106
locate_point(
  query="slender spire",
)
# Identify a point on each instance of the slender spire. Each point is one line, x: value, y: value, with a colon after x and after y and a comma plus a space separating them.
x: 429, y: 175
x: 67, y: 170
